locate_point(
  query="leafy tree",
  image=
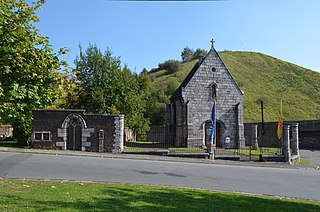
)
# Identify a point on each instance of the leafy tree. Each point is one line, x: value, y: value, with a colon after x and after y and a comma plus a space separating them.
x: 105, y: 87
x: 68, y: 89
x: 156, y: 107
x: 187, y: 54
x: 199, y: 53
x: 171, y: 86
x: 28, y: 76
x: 171, y: 66
x: 145, y: 82
x: 144, y: 71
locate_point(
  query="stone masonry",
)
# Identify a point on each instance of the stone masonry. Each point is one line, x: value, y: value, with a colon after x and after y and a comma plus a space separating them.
x: 75, y: 130
x: 189, y: 112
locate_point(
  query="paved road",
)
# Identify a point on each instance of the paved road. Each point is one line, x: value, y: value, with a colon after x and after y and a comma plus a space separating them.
x: 311, y: 155
x: 297, y: 183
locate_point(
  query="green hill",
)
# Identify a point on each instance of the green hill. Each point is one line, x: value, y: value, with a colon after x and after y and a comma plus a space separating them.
x: 261, y: 77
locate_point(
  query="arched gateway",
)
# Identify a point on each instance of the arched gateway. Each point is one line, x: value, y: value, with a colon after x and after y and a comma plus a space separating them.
x: 75, y: 133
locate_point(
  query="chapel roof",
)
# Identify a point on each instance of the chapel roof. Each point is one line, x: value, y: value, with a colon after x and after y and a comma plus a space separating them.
x: 195, y: 68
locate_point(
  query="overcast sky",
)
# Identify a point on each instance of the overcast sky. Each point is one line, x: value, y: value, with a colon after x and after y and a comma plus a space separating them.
x: 146, y: 33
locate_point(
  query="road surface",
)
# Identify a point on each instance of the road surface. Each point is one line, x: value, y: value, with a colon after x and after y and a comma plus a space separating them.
x: 296, y: 183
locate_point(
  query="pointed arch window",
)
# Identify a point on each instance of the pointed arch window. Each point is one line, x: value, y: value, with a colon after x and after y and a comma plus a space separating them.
x: 214, y: 87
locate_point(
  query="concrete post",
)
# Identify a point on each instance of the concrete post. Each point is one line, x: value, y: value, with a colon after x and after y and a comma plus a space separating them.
x: 286, y: 144
x: 101, y: 138
x: 254, y: 141
x: 295, y: 139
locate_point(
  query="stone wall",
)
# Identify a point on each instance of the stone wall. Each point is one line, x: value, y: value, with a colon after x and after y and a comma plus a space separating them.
x: 50, y: 130
x: 309, y: 133
x: 6, y: 130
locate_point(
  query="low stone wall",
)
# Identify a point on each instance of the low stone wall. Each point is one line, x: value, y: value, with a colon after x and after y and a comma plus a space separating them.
x: 6, y: 130
x: 75, y: 130
x: 309, y: 134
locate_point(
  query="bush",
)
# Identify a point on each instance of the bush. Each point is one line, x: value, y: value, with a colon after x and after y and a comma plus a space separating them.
x: 171, y: 66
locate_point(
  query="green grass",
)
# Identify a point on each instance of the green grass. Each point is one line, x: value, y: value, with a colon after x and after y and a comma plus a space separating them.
x: 147, y: 145
x: 143, y: 144
x: 12, y: 144
x: 185, y: 149
x: 264, y: 77
x: 304, y: 161
x: 22, y: 195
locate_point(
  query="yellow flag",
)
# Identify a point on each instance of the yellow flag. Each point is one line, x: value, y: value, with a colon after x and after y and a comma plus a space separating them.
x: 279, y: 129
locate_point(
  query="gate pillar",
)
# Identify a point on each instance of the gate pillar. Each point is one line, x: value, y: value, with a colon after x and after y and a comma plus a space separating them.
x: 286, y: 143
x: 254, y: 139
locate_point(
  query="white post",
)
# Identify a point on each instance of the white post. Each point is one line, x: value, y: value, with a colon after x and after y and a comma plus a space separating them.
x: 286, y: 144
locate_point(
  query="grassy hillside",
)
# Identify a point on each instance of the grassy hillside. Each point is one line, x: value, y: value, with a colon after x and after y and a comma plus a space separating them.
x: 262, y: 77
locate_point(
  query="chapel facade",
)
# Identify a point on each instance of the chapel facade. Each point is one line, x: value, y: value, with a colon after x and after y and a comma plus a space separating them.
x: 190, y: 108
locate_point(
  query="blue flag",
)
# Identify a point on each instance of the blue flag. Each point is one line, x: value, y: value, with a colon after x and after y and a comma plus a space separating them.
x: 213, y: 122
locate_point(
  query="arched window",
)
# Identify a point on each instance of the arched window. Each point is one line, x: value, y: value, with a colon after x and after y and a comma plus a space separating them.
x: 214, y: 91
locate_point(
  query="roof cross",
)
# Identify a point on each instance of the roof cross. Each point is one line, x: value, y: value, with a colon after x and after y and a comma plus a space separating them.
x: 212, y: 43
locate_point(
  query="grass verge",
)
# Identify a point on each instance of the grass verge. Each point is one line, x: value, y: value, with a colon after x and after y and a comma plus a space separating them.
x: 12, y: 144
x: 27, y: 195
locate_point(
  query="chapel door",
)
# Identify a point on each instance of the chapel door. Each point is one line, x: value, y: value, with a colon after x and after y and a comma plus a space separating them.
x: 74, y: 135
x: 218, y: 139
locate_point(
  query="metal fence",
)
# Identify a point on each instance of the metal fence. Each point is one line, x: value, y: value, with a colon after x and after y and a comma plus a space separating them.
x: 159, y: 139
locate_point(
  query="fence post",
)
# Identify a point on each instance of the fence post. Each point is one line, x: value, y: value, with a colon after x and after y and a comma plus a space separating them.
x: 286, y: 144
x: 254, y: 141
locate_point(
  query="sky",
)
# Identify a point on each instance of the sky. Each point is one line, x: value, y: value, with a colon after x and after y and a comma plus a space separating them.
x: 146, y: 33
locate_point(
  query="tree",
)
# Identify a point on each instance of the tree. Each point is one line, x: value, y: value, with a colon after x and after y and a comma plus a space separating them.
x: 68, y: 90
x: 187, y: 54
x: 144, y: 72
x: 105, y: 87
x: 171, y: 66
x: 199, y: 53
x: 156, y: 107
x: 28, y: 65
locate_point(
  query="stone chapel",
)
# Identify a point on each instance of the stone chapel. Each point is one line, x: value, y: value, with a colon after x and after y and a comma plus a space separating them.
x: 190, y: 108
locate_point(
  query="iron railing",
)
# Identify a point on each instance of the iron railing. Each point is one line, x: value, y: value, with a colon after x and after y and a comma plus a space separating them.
x: 158, y: 138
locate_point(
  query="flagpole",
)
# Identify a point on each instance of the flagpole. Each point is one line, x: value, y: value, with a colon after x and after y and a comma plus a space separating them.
x: 213, y: 131
x: 281, y: 118
x: 215, y: 135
